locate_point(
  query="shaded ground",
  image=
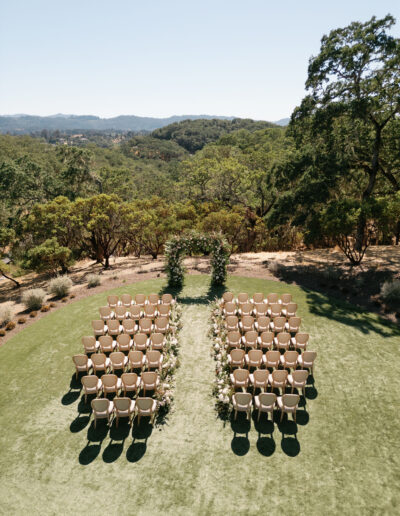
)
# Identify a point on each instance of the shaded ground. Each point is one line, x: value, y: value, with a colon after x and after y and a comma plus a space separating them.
x: 342, y: 456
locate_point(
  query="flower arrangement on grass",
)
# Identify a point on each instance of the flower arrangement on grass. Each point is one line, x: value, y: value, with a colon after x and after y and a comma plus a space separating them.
x: 222, y: 389
x: 179, y: 246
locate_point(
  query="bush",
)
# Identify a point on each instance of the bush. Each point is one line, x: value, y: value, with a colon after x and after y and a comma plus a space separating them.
x: 33, y: 314
x: 33, y: 299
x: 6, y: 313
x: 274, y: 268
x: 52, y: 305
x: 45, y: 308
x: 49, y: 256
x: 72, y: 296
x: 60, y: 286
x: 64, y: 300
x: 390, y: 292
x: 2, y: 333
x: 10, y: 325
x: 93, y: 280
x: 22, y: 320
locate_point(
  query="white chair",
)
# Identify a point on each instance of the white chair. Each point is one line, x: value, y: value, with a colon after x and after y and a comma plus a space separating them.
x: 288, y: 403
x: 242, y: 402
x: 102, y: 409
x: 265, y: 402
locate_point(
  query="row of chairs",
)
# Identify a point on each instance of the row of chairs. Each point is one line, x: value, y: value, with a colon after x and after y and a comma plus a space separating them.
x: 265, y: 402
x: 255, y: 358
x: 127, y: 300
x: 103, y: 408
x: 111, y: 384
x: 258, y: 309
x: 123, y: 342
x: 262, y: 323
x: 113, y: 327
x: 134, y: 312
x: 258, y: 297
x: 266, y: 340
x: 117, y: 361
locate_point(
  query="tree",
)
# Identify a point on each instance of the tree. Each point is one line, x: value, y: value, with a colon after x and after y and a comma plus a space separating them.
x: 7, y: 236
x: 49, y: 256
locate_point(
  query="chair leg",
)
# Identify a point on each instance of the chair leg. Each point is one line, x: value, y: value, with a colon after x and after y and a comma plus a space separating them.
x: 117, y: 422
x: 85, y: 399
x: 235, y: 413
x: 258, y: 417
x: 281, y: 415
x: 294, y: 416
x: 95, y: 421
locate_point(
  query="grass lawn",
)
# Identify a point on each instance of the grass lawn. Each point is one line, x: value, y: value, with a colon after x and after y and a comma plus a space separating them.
x: 346, y: 459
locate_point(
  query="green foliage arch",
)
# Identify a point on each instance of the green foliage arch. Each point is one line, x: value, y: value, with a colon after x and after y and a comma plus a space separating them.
x: 194, y: 243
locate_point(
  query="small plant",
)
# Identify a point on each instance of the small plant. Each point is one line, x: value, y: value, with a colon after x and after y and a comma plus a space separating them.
x: 64, y: 300
x: 93, y: 280
x: 6, y: 313
x: 22, y: 320
x: 274, y: 268
x: 45, y: 308
x: 10, y: 325
x: 72, y: 296
x: 52, y: 305
x: 60, y: 286
x: 33, y: 299
x: 390, y: 292
x: 33, y: 314
x: 2, y: 333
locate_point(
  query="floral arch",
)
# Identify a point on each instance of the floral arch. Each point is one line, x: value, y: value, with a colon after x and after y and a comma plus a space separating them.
x: 208, y: 243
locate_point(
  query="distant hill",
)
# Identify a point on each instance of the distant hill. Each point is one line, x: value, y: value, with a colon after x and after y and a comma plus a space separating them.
x: 22, y: 124
x: 282, y: 121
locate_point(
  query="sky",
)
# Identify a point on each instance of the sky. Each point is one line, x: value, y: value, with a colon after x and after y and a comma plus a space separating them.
x: 159, y: 58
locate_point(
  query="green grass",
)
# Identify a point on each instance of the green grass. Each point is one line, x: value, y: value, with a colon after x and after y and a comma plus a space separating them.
x: 345, y: 460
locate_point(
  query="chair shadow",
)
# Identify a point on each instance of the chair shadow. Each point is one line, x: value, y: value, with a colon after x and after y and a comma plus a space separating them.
x: 75, y: 388
x: 290, y: 445
x: 94, y: 435
x: 115, y: 446
x: 265, y: 444
x: 240, y: 445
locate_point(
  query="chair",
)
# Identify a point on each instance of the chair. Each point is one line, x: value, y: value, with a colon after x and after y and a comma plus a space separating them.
x: 293, y: 324
x: 260, y: 309
x: 272, y: 298
x: 91, y: 385
x: 90, y: 344
x: 262, y: 323
x: 266, y: 340
x: 126, y: 300
x: 227, y: 297
x: 107, y: 344
x: 167, y: 299
x: 232, y: 323
x: 150, y: 311
x: 153, y: 299
x: 278, y: 379
x: 257, y: 298
x: 154, y: 360
x: 278, y: 324
x: 282, y: 341
x: 140, y: 299
x: 250, y: 339
x: 230, y: 309
x: 164, y: 310
x: 272, y: 359
x: 102, y: 409
x: 290, y: 310
x: 242, y: 402
x: 161, y: 324
x: 286, y: 299
x: 129, y: 326
x: 114, y: 328
x: 124, y: 407
x: 236, y: 358
x: 265, y: 402
x: 275, y: 310
x: 111, y: 383
x: 233, y: 339
x: 306, y: 360
x: 140, y: 341
x: 150, y: 381
x: 259, y: 379
x: 146, y: 407
x: 289, y: 359
x: 254, y: 358
x: 246, y: 309
x: 300, y: 341
x: 240, y: 378
x: 82, y: 364
x: 100, y: 362
x: 135, y: 312
x: 247, y: 323
x: 298, y: 380
x: 288, y: 403
x: 113, y: 301
x: 145, y: 325
x: 243, y: 297
x: 130, y: 382
x: 157, y: 341
x: 105, y: 313
x: 124, y: 342
x: 136, y: 359
x: 118, y: 361
x: 99, y: 327
x: 120, y: 313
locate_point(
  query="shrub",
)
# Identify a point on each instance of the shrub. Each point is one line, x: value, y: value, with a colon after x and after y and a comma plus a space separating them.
x: 33, y: 314
x: 93, y: 280
x: 22, y: 320
x: 274, y: 268
x: 49, y: 256
x: 72, y: 296
x: 2, y: 333
x: 64, y: 300
x: 33, y: 299
x: 52, y: 305
x: 6, y: 313
x: 60, y: 286
x: 390, y: 292
x: 10, y: 325
x: 45, y: 308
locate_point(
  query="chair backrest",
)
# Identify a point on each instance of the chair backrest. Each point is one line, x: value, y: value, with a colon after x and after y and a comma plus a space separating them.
x: 135, y: 311
x: 140, y: 339
x: 279, y: 322
x: 145, y: 324
x: 233, y: 337
x: 300, y: 375
x: 90, y: 381
x: 166, y: 299
x: 98, y: 359
x: 241, y: 375
x: 153, y: 356
x: 246, y: 308
x: 276, y: 309
x: 283, y: 338
x: 112, y: 301
x: 255, y: 355
x: 227, y: 297
x: 230, y: 308
x: 129, y: 379
x: 232, y: 321
x: 243, y: 297
x: 153, y: 299
x: 98, y: 325
x: 243, y: 398
x: 140, y: 299
x: 251, y: 337
x: 122, y: 404
x: 279, y: 375
x: 290, y: 400
x: 123, y: 340
x: 157, y: 339
x: 248, y: 322
x: 261, y: 308
x: 237, y: 355
x: 120, y: 312
x: 263, y: 321
x: 128, y: 325
x: 135, y: 357
x: 258, y: 297
x: 100, y: 405
x: 272, y: 356
x: 113, y: 325
x: 267, y: 398
x: 117, y: 358
x: 161, y: 323
x: 272, y: 298
x: 109, y: 380
x: 106, y: 342
x: 309, y: 356
x: 144, y: 404
x: 302, y: 338
x: 291, y: 309
x: 291, y: 356
x: 261, y: 375
x: 164, y: 310
x: 267, y: 337
x: 89, y: 343
x: 294, y: 323
x: 105, y: 311
x: 286, y: 298
x: 80, y: 360
x: 149, y: 310
x: 126, y: 300
x: 149, y: 377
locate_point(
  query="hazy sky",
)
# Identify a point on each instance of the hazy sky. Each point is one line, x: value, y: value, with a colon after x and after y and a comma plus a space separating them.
x: 244, y: 58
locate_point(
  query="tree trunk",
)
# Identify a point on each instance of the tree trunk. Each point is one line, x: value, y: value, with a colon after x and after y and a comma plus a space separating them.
x: 397, y: 233
x: 17, y: 283
x: 107, y: 262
